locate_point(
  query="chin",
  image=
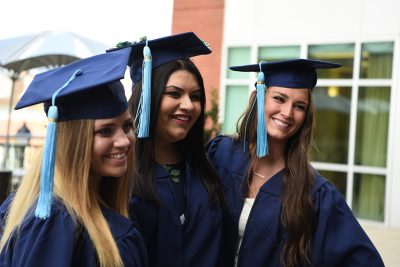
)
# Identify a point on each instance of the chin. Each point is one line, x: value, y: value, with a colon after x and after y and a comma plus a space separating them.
x: 115, y: 173
x: 178, y: 137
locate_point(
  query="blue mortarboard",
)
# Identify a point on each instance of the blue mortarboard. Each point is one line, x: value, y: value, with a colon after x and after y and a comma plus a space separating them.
x: 150, y: 54
x: 85, y: 89
x: 92, y: 94
x: 165, y: 49
x: 293, y: 73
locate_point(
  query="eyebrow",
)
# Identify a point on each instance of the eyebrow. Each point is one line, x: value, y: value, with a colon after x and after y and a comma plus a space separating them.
x: 180, y: 89
x: 110, y: 124
x: 286, y: 96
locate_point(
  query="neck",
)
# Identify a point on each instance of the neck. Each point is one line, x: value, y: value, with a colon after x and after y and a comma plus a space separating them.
x: 167, y: 153
x: 273, y: 162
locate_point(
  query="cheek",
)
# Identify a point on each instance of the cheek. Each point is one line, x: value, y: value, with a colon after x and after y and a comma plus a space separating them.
x: 99, y: 146
x: 198, y: 110
x: 300, y: 118
x: 269, y: 107
x: 131, y: 138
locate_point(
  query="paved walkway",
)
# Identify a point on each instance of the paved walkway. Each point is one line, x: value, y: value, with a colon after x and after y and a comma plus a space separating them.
x: 387, y: 241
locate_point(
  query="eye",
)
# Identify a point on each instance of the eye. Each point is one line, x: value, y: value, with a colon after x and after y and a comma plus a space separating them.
x: 106, y: 131
x: 301, y: 107
x: 195, y: 97
x: 127, y: 127
x: 173, y: 94
x: 278, y: 98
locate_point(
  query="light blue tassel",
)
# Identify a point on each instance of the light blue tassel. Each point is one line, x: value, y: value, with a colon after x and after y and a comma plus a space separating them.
x: 262, y: 142
x: 143, y: 111
x: 43, y: 207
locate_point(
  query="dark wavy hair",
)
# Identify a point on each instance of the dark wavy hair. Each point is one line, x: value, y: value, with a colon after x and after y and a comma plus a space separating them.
x: 191, y: 147
x: 297, y: 215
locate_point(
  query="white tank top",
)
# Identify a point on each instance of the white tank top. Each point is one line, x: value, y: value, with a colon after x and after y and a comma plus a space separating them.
x: 244, y: 216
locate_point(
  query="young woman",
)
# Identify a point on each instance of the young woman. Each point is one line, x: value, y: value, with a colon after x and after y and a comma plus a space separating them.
x: 177, y: 198
x: 283, y: 212
x: 84, y: 220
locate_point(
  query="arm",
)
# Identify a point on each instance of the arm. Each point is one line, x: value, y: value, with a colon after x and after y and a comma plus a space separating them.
x: 339, y: 238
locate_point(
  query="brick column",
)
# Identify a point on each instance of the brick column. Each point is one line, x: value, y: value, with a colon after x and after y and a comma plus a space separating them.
x: 205, y: 18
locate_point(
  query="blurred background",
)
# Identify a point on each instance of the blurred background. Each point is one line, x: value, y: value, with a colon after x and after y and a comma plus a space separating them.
x: 358, y: 116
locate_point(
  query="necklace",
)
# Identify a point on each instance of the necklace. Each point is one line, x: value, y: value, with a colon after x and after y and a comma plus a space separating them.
x: 259, y: 175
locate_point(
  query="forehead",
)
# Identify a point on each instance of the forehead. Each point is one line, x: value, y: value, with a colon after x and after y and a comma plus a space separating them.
x: 119, y: 118
x: 184, y: 78
x: 295, y: 93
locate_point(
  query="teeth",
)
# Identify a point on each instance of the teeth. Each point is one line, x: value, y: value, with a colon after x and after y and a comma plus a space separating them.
x: 281, y: 123
x: 182, y: 118
x: 117, y: 156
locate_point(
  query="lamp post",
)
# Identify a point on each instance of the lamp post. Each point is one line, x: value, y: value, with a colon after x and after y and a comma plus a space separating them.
x: 14, y: 77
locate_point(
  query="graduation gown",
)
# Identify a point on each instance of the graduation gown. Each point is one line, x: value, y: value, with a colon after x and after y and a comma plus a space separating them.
x: 197, y: 241
x: 339, y: 240
x: 58, y: 241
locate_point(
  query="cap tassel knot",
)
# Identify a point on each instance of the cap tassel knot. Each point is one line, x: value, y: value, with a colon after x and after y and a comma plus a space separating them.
x: 143, y: 111
x: 43, y: 207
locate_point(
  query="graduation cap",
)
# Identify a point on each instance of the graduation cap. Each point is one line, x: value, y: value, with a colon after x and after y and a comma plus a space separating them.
x: 293, y: 73
x: 85, y: 89
x: 150, y: 54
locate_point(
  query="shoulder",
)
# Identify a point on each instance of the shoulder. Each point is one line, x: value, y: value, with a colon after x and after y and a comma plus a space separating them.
x: 60, y: 220
x: 226, y: 150
x: 120, y: 226
x: 339, y: 238
x: 221, y: 141
x: 129, y: 240
x: 331, y: 205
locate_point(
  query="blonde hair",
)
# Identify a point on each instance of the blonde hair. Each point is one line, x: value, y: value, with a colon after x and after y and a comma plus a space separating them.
x: 74, y: 186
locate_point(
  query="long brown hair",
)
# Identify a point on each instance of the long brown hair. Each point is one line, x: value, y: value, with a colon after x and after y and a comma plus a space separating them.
x: 297, y: 215
x: 74, y: 186
x: 191, y: 147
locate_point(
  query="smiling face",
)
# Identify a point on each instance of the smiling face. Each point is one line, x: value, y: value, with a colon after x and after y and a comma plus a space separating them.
x: 285, y: 110
x: 180, y: 107
x: 112, y: 140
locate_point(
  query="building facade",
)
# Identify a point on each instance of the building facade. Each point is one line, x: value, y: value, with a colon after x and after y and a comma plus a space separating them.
x: 358, y: 117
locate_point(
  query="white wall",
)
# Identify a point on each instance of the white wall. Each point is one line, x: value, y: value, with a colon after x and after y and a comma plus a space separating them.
x: 270, y: 21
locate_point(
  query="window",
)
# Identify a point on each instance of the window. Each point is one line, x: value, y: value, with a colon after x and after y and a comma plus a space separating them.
x: 376, y: 60
x: 369, y: 196
x: 332, y: 117
x: 372, y: 126
x: 272, y: 53
x: 235, y: 104
x: 238, y: 56
x: 338, y: 53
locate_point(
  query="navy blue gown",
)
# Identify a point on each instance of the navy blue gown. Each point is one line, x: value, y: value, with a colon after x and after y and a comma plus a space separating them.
x: 58, y: 241
x: 196, y: 242
x: 339, y: 240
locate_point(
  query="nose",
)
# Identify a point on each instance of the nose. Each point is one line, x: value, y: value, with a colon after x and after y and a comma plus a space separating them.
x: 287, y: 110
x: 121, y: 139
x: 186, y: 103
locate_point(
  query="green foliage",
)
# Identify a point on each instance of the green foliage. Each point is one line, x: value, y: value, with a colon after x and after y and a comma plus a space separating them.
x: 123, y: 44
x: 212, y: 116
x: 127, y: 43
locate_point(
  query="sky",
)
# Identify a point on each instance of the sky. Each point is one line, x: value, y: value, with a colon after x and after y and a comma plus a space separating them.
x: 108, y: 22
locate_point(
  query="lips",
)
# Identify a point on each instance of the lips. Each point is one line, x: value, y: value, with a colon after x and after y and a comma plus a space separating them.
x: 281, y: 123
x: 121, y: 155
x: 183, y: 118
